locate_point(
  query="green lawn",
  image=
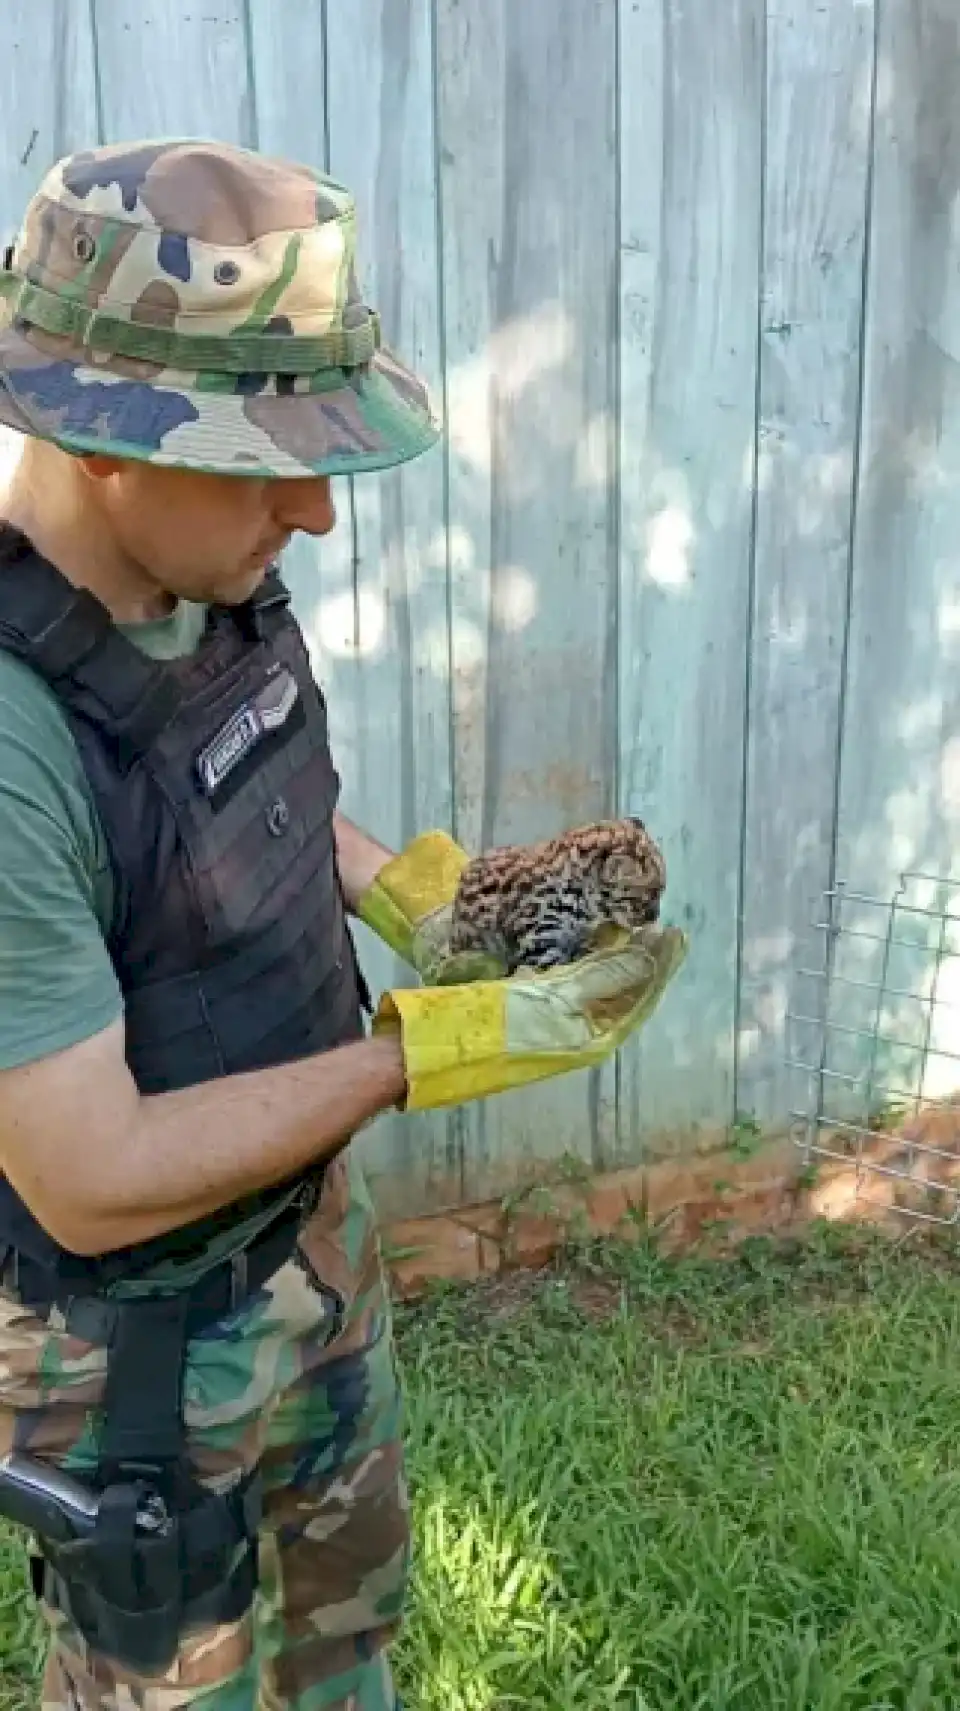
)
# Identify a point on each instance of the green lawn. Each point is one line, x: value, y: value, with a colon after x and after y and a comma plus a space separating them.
x: 677, y: 1483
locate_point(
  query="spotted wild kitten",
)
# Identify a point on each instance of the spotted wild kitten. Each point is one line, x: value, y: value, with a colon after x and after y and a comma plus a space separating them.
x: 538, y: 905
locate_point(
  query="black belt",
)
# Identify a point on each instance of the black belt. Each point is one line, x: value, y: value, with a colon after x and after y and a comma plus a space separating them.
x: 221, y: 1290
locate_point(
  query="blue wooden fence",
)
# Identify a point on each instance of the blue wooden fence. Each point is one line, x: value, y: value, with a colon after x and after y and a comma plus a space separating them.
x: 686, y: 281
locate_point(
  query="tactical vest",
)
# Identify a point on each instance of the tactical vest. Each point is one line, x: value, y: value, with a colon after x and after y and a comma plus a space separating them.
x: 213, y: 780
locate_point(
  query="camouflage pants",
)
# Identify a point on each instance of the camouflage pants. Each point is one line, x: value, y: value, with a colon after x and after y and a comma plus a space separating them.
x: 278, y: 1383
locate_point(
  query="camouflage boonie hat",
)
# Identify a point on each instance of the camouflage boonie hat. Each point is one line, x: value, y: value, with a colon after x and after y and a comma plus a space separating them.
x: 196, y: 305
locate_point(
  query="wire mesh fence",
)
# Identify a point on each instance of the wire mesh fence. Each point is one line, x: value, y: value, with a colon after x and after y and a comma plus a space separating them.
x: 874, y: 1048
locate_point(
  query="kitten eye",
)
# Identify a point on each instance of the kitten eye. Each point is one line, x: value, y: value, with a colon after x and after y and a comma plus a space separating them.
x: 619, y: 866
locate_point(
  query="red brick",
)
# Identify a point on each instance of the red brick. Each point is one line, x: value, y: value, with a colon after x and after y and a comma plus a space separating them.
x: 611, y: 1199
x: 444, y: 1251
x: 491, y: 1255
x: 531, y: 1239
x: 486, y: 1217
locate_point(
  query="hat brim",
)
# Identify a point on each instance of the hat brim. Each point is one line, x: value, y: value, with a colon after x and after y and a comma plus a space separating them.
x: 371, y: 418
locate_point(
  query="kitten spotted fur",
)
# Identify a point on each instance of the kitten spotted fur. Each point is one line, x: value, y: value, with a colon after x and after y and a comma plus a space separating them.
x: 536, y: 906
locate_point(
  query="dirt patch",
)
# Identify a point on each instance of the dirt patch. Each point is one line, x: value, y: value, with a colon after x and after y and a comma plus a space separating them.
x: 595, y: 1297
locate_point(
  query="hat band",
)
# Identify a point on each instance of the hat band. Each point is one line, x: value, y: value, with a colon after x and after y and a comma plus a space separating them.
x: 220, y: 353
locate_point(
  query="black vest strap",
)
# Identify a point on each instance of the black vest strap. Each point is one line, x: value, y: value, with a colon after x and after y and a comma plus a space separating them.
x: 263, y: 613
x: 272, y: 595
x: 44, y: 615
x: 68, y: 636
x: 142, y: 1418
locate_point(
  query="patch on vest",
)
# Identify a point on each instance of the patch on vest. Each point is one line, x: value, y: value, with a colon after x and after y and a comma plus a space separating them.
x: 267, y: 712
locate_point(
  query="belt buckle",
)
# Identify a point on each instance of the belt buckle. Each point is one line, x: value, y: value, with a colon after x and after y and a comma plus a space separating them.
x: 239, y: 1279
x: 10, y: 1270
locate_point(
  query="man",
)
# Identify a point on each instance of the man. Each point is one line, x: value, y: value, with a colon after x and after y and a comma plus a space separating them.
x: 193, y: 1320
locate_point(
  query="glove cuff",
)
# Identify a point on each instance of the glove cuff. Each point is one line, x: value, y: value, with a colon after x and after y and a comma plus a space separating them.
x: 453, y: 1038
x: 467, y: 1042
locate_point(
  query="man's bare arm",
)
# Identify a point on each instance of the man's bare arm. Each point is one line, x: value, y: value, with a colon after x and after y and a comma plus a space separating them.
x: 100, y: 1167
x: 359, y: 859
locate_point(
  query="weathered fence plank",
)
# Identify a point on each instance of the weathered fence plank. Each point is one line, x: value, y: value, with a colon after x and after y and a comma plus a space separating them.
x: 818, y: 122
x: 528, y: 185
x: 900, y: 800
x: 688, y: 365
x: 167, y: 68
x: 288, y: 72
x: 900, y: 770
x: 48, y: 99
x: 380, y: 625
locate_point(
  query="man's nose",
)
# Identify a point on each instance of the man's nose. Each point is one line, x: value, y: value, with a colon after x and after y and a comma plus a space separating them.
x: 306, y: 505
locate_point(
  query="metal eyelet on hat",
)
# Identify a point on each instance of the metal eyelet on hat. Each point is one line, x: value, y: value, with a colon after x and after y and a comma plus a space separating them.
x: 84, y: 247
x: 226, y: 273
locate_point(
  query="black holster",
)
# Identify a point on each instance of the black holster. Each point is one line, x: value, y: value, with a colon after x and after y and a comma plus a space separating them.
x: 134, y: 1594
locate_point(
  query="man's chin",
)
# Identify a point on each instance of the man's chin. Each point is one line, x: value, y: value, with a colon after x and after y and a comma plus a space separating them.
x: 233, y: 591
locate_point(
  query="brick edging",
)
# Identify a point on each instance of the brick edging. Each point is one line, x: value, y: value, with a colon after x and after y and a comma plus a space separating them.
x: 681, y: 1197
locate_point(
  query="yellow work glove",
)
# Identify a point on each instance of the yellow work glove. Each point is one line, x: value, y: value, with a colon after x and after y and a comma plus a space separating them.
x: 467, y: 1041
x: 410, y: 902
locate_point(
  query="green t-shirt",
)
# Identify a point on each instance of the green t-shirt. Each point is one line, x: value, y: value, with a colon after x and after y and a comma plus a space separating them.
x: 57, y: 983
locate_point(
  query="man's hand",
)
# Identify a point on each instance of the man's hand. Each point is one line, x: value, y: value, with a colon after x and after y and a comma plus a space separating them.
x: 100, y: 1167
x: 359, y: 860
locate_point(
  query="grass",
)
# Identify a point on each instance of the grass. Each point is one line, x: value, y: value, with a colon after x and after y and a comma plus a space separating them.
x: 684, y: 1483
x: 650, y: 1482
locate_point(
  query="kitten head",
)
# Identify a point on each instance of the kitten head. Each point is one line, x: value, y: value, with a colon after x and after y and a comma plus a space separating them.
x: 632, y: 875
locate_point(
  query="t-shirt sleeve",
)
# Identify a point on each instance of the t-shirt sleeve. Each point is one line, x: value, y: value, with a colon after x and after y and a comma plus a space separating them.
x: 57, y: 982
